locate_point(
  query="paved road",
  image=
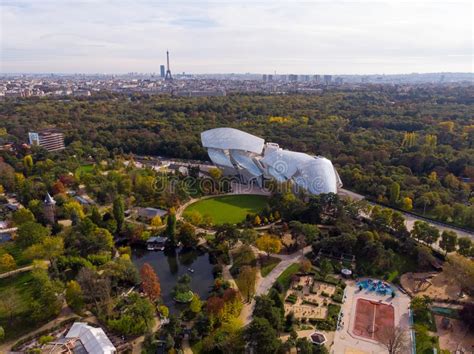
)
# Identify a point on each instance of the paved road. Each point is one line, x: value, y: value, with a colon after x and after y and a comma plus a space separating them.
x: 410, y: 218
x: 20, y: 270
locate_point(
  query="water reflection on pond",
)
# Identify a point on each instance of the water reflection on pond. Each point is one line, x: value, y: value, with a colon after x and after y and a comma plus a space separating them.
x: 170, y: 266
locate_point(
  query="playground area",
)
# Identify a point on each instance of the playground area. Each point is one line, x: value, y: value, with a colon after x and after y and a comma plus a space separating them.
x: 376, y: 286
x: 367, y: 316
x: 372, y: 319
x: 434, y: 285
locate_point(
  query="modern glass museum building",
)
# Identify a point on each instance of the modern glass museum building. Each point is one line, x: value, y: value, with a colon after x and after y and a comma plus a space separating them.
x: 250, y: 159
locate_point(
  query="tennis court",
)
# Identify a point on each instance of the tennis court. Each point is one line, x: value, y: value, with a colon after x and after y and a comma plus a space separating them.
x: 371, y: 318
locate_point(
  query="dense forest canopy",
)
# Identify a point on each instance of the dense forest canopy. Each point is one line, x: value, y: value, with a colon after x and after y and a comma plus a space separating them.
x: 408, y: 147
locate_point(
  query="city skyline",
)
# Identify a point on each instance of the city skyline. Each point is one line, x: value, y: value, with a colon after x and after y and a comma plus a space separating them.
x: 208, y: 37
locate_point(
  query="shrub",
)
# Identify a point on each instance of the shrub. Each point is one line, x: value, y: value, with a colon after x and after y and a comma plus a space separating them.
x: 292, y: 298
x: 45, y: 339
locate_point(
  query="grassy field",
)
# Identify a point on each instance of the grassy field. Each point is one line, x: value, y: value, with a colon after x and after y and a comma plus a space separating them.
x: 15, y: 252
x: 15, y: 296
x: 285, y: 278
x: 85, y: 168
x: 230, y: 209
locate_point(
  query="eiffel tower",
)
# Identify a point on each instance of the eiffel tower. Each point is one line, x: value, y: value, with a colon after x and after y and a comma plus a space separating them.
x: 168, y: 76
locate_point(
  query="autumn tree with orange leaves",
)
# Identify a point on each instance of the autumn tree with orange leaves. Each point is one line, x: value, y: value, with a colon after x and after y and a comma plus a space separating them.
x: 150, y: 282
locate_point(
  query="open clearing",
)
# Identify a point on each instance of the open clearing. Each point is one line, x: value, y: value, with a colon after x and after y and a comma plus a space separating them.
x: 230, y: 209
x: 16, y: 296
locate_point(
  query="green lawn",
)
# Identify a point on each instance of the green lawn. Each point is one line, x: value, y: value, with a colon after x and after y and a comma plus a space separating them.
x: 85, y: 168
x: 230, y: 209
x: 267, y: 264
x: 285, y: 278
x: 15, y: 294
x: 15, y: 252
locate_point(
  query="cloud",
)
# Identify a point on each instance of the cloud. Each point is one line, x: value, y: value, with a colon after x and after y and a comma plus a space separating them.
x: 235, y: 36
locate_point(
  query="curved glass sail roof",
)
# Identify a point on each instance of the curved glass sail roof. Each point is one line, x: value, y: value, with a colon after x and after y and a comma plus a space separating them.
x: 286, y: 162
x: 319, y: 176
x: 245, y: 161
x: 219, y: 158
x: 229, y: 138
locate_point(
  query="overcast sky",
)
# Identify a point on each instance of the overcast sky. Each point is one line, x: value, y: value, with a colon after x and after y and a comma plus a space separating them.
x: 323, y: 37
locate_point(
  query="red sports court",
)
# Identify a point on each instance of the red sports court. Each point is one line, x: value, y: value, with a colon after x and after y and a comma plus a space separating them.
x: 371, y: 317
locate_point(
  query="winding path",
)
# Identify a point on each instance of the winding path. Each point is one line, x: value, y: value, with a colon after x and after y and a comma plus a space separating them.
x: 264, y: 284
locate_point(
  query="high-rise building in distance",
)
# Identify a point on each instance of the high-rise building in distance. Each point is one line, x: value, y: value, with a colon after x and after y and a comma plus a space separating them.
x: 49, y: 139
x: 293, y: 77
x: 162, y: 71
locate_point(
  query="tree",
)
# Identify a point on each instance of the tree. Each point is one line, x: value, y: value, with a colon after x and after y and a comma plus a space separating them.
x: 187, y: 236
x: 448, y: 241
x: 95, y: 216
x: 137, y: 316
x: 246, y: 281
x: 248, y: 236
x: 58, y: 188
x: 394, y: 193
x: 424, y: 232
x: 398, y: 224
x: 73, y: 209
x: 268, y: 244
x: 261, y: 336
x: 461, y: 270
x: 156, y: 221
x: 87, y: 238
x: 30, y: 233
x: 394, y: 339
x: 150, y: 282
x: 96, y: 289
x: 49, y: 248
x: 467, y: 315
x: 465, y: 246
x: 215, y: 173
x: 326, y: 267
x: 407, y: 204
x: 7, y: 262
x: 74, y: 296
x: 118, y: 209
x: 28, y: 163
x: 45, y: 294
x: 22, y: 216
x: 164, y: 311
x: 171, y: 228
x: 309, y: 231
x: 257, y: 221
x: 215, y: 307
x: 196, y: 304
x: 266, y: 307
x: 306, y: 265
x: 7, y: 176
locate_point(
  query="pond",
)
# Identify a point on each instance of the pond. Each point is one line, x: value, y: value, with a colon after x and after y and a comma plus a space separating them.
x: 170, y: 266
